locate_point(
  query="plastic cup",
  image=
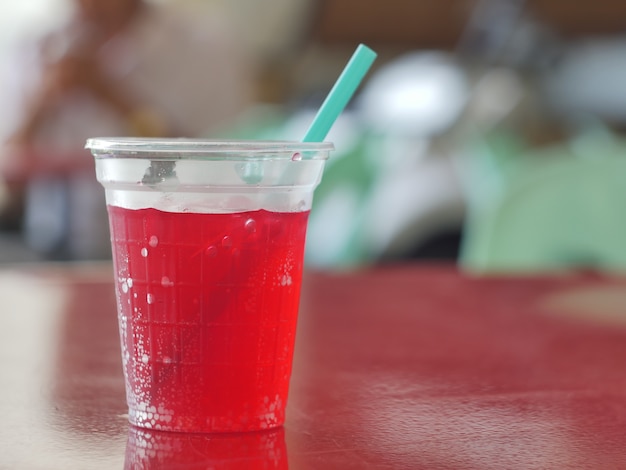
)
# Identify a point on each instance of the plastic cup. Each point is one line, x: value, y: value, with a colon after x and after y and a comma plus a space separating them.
x: 208, y: 242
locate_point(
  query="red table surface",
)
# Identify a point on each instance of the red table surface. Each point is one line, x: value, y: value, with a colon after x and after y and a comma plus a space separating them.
x: 396, y: 368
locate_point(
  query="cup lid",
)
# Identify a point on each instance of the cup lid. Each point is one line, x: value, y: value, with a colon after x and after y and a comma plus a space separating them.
x: 180, y: 148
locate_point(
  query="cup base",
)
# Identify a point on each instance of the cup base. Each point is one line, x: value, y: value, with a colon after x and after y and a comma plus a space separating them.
x: 233, y: 451
x: 152, y: 420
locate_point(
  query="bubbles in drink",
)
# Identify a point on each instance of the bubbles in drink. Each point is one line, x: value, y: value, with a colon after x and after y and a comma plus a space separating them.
x: 227, y: 242
x: 145, y: 358
x: 154, y: 241
x: 144, y: 252
x: 150, y: 298
x: 250, y: 225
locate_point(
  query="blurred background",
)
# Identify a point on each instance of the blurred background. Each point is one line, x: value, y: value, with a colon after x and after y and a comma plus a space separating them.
x: 488, y: 133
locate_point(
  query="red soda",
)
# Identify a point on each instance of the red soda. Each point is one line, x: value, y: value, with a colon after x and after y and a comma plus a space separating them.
x: 207, y: 307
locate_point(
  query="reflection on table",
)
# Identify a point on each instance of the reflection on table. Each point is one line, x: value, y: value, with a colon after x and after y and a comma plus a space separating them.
x: 403, y: 367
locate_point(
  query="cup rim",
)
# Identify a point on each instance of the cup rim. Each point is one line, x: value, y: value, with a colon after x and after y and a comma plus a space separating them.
x: 140, y: 147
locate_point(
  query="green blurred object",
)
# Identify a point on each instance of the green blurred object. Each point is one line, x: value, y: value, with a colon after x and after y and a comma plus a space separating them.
x: 558, y: 208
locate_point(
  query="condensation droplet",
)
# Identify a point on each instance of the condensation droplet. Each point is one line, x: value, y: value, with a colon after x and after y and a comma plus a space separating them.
x: 154, y: 241
x: 144, y: 252
x: 211, y: 251
x: 250, y: 225
x: 150, y: 298
x: 167, y: 360
x: 165, y: 282
x: 129, y: 281
x: 296, y: 157
x: 124, y: 287
x: 145, y: 358
x: 227, y: 242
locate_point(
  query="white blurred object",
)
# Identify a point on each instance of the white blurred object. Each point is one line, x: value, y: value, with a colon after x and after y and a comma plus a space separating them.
x: 419, y: 94
x: 27, y: 18
x: 411, y: 100
x: 496, y: 95
x: 409, y: 207
x: 591, y: 78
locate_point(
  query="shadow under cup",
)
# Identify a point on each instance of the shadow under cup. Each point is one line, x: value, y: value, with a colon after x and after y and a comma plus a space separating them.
x: 208, y: 246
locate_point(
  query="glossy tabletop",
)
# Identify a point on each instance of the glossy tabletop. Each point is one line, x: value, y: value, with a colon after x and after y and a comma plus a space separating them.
x: 395, y: 368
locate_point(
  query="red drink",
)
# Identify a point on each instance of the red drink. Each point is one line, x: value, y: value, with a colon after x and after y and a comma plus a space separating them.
x: 207, y: 307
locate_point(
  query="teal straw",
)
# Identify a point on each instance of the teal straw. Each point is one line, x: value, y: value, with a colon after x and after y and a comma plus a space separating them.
x: 340, y: 95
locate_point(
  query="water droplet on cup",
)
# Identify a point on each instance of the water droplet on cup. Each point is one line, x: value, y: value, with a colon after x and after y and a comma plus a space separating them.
x: 129, y: 281
x: 296, y: 157
x: 154, y: 241
x: 250, y: 225
x: 124, y: 287
x: 211, y: 251
x: 150, y: 298
x: 144, y: 252
x: 165, y: 282
x: 227, y: 242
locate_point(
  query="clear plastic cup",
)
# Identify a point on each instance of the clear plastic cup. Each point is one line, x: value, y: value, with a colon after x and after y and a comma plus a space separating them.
x: 208, y: 243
